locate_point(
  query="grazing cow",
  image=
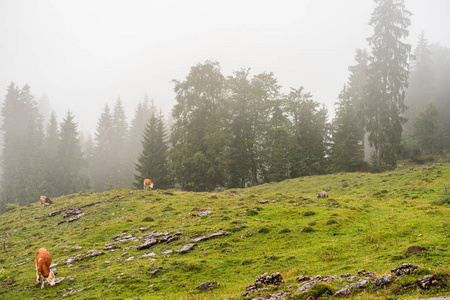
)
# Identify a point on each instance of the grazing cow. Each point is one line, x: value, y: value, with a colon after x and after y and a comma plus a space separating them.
x: 148, y: 184
x: 45, y: 201
x: 43, y: 262
x: 322, y: 194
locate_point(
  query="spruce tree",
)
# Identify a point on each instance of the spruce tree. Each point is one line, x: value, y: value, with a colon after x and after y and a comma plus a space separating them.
x: 346, y: 153
x: 73, y: 175
x: 119, y: 138
x: 428, y: 133
x: 21, y: 178
x: 152, y: 161
x: 102, y: 166
x: 388, y: 75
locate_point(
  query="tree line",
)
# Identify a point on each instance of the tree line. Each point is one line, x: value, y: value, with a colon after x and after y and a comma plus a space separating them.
x: 239, y: 130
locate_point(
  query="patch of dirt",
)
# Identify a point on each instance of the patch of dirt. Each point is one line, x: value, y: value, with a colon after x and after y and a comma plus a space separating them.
x: 415, y: 249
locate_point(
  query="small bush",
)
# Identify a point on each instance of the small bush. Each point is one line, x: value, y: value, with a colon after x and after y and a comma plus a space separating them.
x: 331, y: 222
x: 307, y: 229
x: 445, y: 197
x: 320, y: 290
x: 285, y: 230
x: 308, y: 213
x: 312, y: 223
x: 11, y: 206
x: 251, y: 212
x: 246, y: 262
x: 168, y: 208
x: 148, y: 219
x: 264, y: 230
x: 421, y: 271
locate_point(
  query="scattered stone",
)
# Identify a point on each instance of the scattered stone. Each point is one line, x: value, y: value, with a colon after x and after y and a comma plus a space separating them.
x: 76, y: 217
x: 382, y: 281
x: 346, y: 275
x: 147, y: 244
x: 428, y: 282
x: 109, y: 286
x: 204, y: 213
x: 263, y: 201
x: 78, y: 257
x: 111, y: 247
x: 204, y: 237
x: 167, y: 252
x: 153, y: 272
x: 302, y: 278
x: 343, y: 293
x: 360, y: 284
x: 186, y: 248
x: 143, y: 228
x: 404, y: 269
x: 130, y: 258
x: 206, y: 286
x: 262, y: 280
x: 200, y: 238
x: 54, y: 213
x: 124, y: 238
x: 72, y: 212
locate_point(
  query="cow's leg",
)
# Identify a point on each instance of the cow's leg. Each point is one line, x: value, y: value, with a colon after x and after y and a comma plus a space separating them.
x: 37, y: 275
x: 43, y: 281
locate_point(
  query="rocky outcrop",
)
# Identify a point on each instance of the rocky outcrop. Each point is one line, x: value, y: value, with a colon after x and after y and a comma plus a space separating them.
x: 404, y: 269
x: 382, y: 281
x: 265, y: 279
x: 186, y: 248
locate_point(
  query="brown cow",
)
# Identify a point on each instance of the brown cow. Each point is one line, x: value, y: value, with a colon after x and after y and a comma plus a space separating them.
x: 148, y: 184
x: 45, y: 201
x: 43, y: 262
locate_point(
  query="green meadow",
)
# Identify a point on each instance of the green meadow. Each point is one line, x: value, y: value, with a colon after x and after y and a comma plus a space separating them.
x: 368, y: 222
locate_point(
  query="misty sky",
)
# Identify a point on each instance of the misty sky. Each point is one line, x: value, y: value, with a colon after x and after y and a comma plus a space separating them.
x: 83, y: 54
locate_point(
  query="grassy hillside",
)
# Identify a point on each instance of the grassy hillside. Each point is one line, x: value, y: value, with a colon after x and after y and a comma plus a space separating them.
x: 369, y: 222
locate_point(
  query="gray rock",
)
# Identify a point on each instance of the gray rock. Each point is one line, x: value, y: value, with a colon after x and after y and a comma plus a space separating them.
x: 404, y: 269
x: 147, y: 244
x: 186, y: 248
x: 204, y: 213
x: 382, y: 281
x: 360, y: 284
x: 427, y: 282
x: 343, y: 293
x: 206, y: 286
x: 111, y: 247
x: 322, y: 194
x: 302, y: 278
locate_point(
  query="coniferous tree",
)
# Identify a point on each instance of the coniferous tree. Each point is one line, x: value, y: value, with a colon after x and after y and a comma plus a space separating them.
x: 428, y: 133
x: 199, y: 136
x: 21, y: 180
x: 347, y: 148
x: 119, y: 136
x: 309, y: 134
x: 73, y: 175
x: 134, y: 144
x: 51, y: 145
x: 388, y: 75
x: 152, y: 161
x: 102, y: 166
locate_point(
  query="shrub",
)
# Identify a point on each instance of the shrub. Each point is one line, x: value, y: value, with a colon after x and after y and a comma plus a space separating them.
x: 11, y: 206
x: 331, y: 222
x: 251, y: 212
x: 308, y: 229
x: 320, y: 290
x: 445, y: 197
x: 264, y: 230
x: 308, y: 213
x: 285, y: 230
x: 148, y: 219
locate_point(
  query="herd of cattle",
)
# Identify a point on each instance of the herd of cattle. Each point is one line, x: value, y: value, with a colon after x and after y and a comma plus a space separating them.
x: 44, y: 259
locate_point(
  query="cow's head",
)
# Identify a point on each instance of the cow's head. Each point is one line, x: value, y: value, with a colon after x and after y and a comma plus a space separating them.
x: 51, y: 278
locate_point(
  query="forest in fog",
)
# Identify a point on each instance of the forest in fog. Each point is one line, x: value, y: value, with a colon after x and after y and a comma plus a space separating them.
x: 237, y: 130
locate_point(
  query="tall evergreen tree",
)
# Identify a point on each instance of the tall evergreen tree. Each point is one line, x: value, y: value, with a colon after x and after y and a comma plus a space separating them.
x: 73, y: 175
x: 51, y: 145
x: 309, y: 133
x: 119, y: 136
x: 198, y: 138
x: 347, y: 148
x: 388, y: 74
x: 21, y: 167
x: 134, y: 143
x: 429, y: 135
x: 152, y: 161
x: 102, y: 166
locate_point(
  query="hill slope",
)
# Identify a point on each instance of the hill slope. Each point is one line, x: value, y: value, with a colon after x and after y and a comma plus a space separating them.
x: 123, y: 244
